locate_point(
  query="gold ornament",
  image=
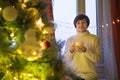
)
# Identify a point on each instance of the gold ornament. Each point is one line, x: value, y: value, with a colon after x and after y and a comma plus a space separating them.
x: 30, y: 49
x: 78, y: 44
x: 9, y: 13
x: 31, y: 53
x: 33, y: 13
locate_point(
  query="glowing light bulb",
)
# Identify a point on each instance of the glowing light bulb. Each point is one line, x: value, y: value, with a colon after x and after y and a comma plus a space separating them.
x: 39, y: 23
x: 45, y: 32
x: 118, y: 20
x: 102, y: 25
x: 12, y: 35
x: 15, y: 78
x: 113, y: 22
x: 30, y: 75
x: 14, y: 43
x: 0, y: 9
x: 106, y: 24
x: 34, y: 53
x: 25, y: 0
x: 23, y: 6
x: 19, y: 51
x: 41, y: 44
x: 29, y: 59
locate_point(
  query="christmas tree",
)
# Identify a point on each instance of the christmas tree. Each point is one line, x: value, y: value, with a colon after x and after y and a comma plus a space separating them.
x: 28, y: 49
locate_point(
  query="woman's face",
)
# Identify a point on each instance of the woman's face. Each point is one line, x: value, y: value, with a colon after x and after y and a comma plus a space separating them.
x: 81, y: 25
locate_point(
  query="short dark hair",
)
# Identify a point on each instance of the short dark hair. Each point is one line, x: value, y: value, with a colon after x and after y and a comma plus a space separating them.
x: 80, y: 17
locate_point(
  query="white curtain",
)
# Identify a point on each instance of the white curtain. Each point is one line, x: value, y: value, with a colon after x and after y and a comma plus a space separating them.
x: 105, y: 33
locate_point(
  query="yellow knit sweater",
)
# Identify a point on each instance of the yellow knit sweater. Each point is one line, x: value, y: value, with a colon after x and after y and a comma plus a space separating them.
x: 84, y: 63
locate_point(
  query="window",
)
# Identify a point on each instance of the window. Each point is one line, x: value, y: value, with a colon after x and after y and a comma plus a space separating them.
x: 90, y: 10
x: 64, y: 12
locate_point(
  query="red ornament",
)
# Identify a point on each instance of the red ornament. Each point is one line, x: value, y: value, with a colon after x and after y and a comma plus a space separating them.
x: 46, y: 44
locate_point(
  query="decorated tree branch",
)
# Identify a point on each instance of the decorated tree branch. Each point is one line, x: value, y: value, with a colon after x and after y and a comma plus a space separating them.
x: 28, y: 49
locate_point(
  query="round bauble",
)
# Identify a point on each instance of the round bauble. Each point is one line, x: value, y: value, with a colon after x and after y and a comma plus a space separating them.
x: 30, y: 52
x: 78, y: 44
x: 46, y: 44
x: 30, y: 49
x: 33, y: 13
x: 9, y: 13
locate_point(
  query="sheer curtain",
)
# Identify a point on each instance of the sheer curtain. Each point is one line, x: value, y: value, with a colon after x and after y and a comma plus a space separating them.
x: 106, y: 37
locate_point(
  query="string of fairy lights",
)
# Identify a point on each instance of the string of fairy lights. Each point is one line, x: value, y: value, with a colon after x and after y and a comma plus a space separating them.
x: 117, y: 21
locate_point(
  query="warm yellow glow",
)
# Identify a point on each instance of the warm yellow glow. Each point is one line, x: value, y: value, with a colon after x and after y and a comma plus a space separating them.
x: 78, y: 43
x: 27, y: 74
x: 34, y: 57
x: 113, y: 22
x: 19, y: 51
x: 15, y: 78
x: 45, y: 32
x: 26, y: 1
x: 118, y: 20
x: 7, y: 72
x: 0, y: 9
x: 29, y: 59
x: 48, y: 30
x: 42, y: 45
x: 39, y: 23
x: 23, y: 1
x: 9, y: 65
x: 23, y: 6
x: 30, y: 75
x: 34, y: 53
x: 12, y: 35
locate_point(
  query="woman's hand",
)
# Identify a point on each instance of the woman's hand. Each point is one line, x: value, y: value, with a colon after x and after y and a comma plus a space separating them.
x: 72, y: 48
x: 80, y: 48
x: 77, y: 48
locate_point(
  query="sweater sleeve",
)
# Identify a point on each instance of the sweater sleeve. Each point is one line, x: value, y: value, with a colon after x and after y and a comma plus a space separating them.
x: 67, y: 55
x: 94, y: 55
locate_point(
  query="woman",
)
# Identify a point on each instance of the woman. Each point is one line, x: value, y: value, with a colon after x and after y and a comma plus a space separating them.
x: 82, y: 51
